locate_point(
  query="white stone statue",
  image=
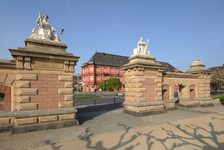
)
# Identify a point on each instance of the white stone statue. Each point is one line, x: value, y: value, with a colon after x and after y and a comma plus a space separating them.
x: 45, y: 31
x: 142, y: 47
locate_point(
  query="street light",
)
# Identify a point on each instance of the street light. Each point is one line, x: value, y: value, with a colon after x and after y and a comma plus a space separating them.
x: 77, y: 80
x: 106, y: 85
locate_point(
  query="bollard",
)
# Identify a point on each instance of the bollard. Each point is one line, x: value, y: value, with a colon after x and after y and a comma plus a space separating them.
x: 94, y: 102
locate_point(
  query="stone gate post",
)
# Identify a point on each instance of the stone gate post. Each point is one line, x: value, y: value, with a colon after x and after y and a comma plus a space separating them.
x: 143, y: 83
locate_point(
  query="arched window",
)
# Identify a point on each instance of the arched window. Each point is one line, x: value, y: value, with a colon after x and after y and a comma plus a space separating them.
x: 175, y: 91
x: 192, y: 91
x: 2, y: 96
x: 165, y: 92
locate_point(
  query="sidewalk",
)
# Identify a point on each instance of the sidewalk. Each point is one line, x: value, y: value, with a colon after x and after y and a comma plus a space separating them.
x: 194, y: 128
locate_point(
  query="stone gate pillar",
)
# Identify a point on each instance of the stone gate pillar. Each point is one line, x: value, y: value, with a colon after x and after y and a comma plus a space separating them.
x: 143, y: 83
x: 43, y: 83
x: 202, y: 89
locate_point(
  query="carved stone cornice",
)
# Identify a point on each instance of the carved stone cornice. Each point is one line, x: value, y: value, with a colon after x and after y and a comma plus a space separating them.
x: 7, y: 64
x: 180, y: 75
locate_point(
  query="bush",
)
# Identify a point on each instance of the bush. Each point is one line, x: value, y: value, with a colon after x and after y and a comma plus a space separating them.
x: 111, y: 84
x: 114, y: 84
x: 104, y: 85
x: 221, y: 99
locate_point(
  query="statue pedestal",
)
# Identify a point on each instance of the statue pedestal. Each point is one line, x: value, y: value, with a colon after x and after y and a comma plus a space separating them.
x: 143, y: 82
x: 43, y: 89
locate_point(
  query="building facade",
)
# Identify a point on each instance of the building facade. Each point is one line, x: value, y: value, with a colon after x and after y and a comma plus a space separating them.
x: 100, y: 67
x: 103, y: 66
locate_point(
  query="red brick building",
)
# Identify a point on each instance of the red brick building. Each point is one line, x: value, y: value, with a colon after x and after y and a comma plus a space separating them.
x: 100, y: 67
x: 103, y: 66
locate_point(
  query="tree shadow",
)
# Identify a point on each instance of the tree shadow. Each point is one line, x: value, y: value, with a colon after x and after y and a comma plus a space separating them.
x: 190, y: 134
x: 52, y: 144
x: 149, y: 138
x: 99, y: 145
x: 219, y: 116
x: 179, y: 135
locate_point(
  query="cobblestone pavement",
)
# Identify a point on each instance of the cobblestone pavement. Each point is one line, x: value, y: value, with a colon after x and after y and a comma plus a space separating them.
x: 191, y: 128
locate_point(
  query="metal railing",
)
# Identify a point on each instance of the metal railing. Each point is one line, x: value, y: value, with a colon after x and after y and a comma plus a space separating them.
x: 99, y: 100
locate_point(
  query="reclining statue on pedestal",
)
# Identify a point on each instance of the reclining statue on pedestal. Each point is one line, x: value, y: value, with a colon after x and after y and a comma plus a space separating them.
x: 45, y: 31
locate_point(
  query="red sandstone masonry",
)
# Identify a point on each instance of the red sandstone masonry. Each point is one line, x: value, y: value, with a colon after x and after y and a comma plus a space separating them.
x: 6, y: 103
x: 47, y: 86
x: 150, y: 86
x: 44, y: 77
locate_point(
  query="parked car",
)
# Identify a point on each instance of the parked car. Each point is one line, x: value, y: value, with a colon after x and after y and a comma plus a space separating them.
x: 120, y: 94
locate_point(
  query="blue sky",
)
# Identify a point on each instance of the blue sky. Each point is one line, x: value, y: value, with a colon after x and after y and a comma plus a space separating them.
x: 179, y: 31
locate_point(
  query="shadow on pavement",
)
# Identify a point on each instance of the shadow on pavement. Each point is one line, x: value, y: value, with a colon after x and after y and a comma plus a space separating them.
x: 174, y: 136
x: 53, y: 145
x: 90, y: 112
x: 99, y: 145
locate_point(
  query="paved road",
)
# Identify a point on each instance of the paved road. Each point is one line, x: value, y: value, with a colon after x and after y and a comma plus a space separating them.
x: 97, y: 101
x: 192, y: 128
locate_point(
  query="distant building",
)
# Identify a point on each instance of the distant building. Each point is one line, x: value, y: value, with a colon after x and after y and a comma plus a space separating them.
x: 100, y: 67
x: 103, y: 66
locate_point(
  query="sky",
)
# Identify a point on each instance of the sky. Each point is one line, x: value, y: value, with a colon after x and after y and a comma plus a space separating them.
x: 179, y: 31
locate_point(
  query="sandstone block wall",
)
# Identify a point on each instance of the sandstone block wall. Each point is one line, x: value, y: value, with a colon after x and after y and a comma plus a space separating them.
x: 7, y: 77
x: 39, y: 87
x: 5, y: 104
x: 149, y: 88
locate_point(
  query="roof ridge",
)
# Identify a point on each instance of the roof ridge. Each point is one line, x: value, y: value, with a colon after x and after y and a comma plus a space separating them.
x: 111, y: 54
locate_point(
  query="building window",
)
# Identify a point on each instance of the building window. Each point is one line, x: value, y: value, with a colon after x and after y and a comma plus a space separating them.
x: 175, y: 94
x: 116, y: 71
x: 91, y: 78
x: 98, y: 69
x: 2, y: 96
x: 165, y: 92
x: 91, y: 69
x: 105, y: 69
x: 112, y: 70
x: 97, y: 78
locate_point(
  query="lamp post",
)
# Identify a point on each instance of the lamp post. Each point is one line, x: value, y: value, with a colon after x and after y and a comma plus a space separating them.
x: 77, y: 80
x: 106, y: 85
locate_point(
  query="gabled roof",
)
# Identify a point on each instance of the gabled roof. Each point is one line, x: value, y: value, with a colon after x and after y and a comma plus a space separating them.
x: 116, y: 60
x: 168, y: 66
x: 107, y: 59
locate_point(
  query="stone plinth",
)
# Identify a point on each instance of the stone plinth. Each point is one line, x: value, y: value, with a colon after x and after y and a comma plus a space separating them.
x: 143, y: 86
x: 42, y: 89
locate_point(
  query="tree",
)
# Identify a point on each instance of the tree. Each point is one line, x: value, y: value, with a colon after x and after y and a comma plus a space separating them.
x: 104, y: 85
x: 217, y: 77
x: 114, y: 84
x: 111, y: 84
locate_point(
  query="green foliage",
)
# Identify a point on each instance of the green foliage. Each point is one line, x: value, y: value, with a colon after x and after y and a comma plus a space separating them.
x: 104, y: 85
x: 114, y: 84
x: 221, y: 98
x: 217, y: 77
x: 84, y: 96
x: 111, y: 84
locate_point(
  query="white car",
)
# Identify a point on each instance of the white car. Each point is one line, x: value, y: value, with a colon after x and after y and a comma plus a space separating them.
x: 120, y: 94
